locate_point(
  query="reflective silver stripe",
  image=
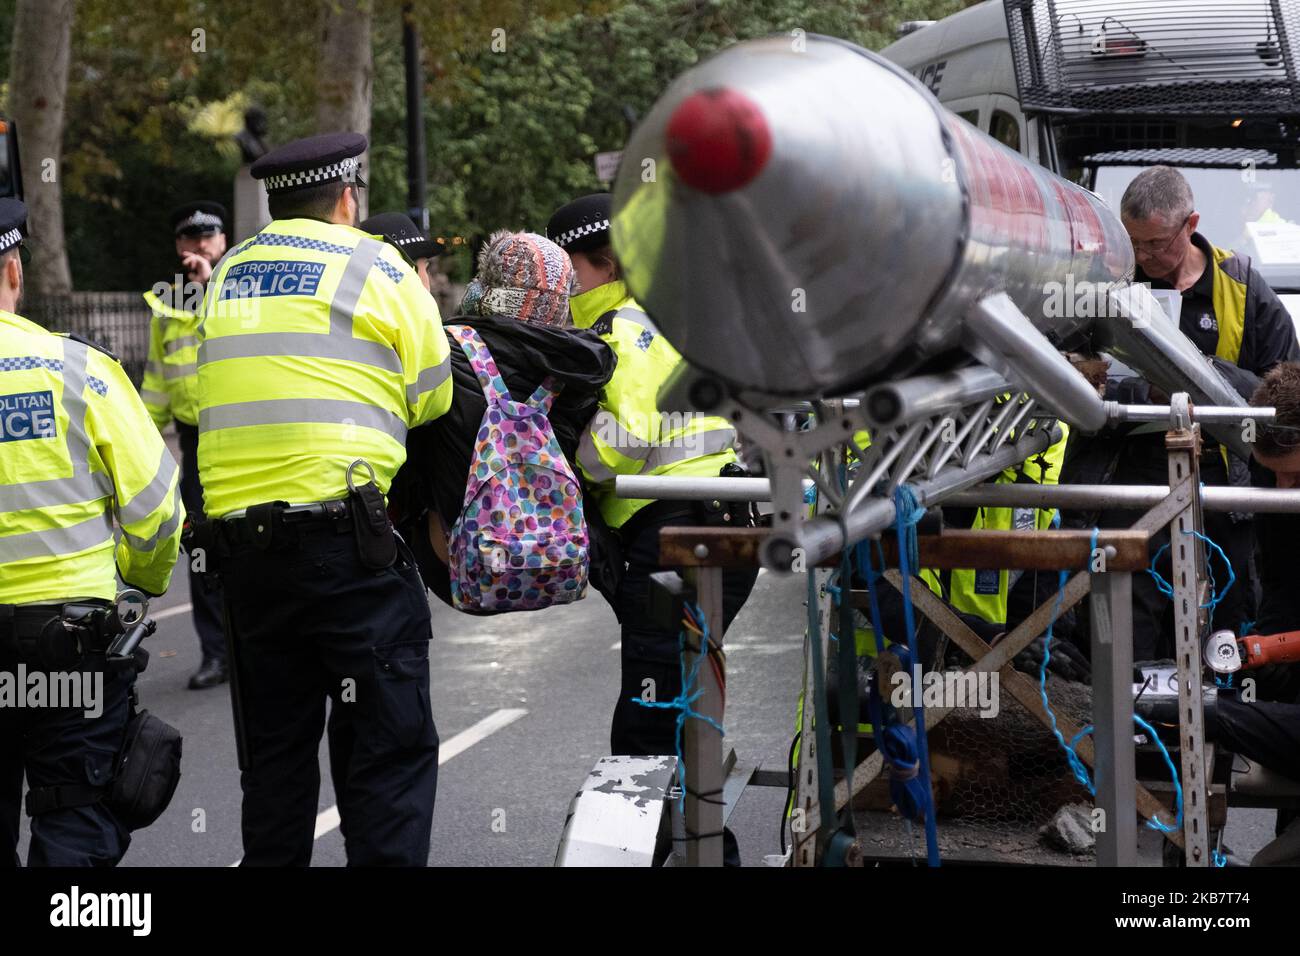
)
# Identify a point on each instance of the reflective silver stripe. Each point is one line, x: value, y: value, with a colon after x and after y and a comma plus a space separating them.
x: 54, y: 542
x: 588, y: 456
x: 340, y: 343
x: 301, y: 345
x: 605, y: 423
x: 153, y: 368
x: 151, y: 496
x: 428, y: 380
x: 348, y: 293
x: 299, y: 411
x: 179, y: 371
x: 74, y: 404
x: 165, y: 530
x: 697, y: 445
x: 637, y: 317
x: 155, y: 398
x: 184, y: 342
x: 52, y: 492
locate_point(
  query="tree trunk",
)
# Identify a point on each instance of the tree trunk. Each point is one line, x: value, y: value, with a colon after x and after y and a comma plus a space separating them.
x: 38, y: 88
x: 344, y: 74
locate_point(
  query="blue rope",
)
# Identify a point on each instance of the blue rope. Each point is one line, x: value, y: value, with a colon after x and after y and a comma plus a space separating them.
x: 1071, y: 755
x: 683, y: 701
x: 1165, y: 588
x: 907, y: 512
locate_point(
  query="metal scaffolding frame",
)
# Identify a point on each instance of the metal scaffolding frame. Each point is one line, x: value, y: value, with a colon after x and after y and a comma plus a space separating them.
x: 945, y: 452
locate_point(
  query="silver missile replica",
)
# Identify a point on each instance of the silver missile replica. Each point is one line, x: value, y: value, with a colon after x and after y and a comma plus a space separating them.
x: 803, y: 220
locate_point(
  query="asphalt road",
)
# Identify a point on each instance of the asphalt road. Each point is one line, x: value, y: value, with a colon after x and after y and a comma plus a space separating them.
x: 522, y: 703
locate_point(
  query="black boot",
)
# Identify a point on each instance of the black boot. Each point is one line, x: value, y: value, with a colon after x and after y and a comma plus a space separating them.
x: 212, y: 673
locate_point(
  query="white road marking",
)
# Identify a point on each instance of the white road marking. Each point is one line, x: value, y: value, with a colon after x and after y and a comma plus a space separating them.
x: 484, y: 728
x: 173, y: 611
x: 328, y: 819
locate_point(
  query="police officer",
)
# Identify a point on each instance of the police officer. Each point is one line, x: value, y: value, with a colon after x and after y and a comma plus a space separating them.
x: 629, y: 436
x: 320, y: 349
x: 77, y: 452
x: 398, y: 229
x: 1234, y: 318
x: 170, y: 392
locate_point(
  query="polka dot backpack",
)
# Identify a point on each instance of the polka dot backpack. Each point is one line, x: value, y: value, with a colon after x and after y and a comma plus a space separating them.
x: 521, y: 541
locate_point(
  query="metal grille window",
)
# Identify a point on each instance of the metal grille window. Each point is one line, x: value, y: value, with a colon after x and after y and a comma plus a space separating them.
x: 1196, y: 57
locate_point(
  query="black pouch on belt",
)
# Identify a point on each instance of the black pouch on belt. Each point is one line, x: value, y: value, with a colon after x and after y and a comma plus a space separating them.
x: 376, y: 542
x: 148, y: 770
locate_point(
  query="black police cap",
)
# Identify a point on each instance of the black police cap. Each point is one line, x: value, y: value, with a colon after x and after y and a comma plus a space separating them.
x: 13, y: 223
x: 199, y: 218
x: 582, y: 225
x: 398, y: 230
x: 330, y: 157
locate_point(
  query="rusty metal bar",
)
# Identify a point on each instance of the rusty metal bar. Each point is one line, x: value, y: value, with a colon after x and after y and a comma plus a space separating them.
x: 1021, y: 550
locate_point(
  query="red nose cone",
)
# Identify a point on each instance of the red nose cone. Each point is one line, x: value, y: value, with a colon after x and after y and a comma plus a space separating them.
x: 718, y: 140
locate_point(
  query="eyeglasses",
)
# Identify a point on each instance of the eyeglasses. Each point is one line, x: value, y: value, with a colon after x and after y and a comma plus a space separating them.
x: 1159, y: 247
x: 1284, y: 436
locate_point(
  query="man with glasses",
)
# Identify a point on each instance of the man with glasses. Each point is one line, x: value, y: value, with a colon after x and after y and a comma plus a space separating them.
x: 1238, y: 322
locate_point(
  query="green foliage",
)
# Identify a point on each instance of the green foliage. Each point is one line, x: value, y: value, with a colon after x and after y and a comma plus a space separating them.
x: 511, y: 135
x: 514, y: 133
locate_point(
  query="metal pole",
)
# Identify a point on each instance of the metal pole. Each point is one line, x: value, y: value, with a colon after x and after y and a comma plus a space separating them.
x: 1187, y: 556
x: 415, y: 162
x: 702, y: 744
x: 1112, y: 717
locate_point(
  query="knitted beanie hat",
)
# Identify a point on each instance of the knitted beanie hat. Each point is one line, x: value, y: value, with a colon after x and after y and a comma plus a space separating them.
x: 524, y: 275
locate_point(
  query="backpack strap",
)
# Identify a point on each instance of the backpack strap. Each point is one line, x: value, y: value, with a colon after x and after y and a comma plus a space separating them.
x: 480, y: 360
x: 546, y: 394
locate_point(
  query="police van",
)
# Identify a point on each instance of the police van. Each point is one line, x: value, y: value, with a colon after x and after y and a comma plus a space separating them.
x: 1098, y: 89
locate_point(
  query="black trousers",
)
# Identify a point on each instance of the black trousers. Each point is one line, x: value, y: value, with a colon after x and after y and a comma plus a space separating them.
x: 1264, y: 731
x: 60, y: 747
x: 1145, y: 462
x: 206, y: 600
x: 652, y: 653
x: 310, y: 623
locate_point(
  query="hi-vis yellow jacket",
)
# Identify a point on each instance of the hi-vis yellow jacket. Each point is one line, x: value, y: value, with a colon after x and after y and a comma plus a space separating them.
x: 171, y: 376
x: 77, y: 451
x: 318, y: 346
x: 984, y: 592
x: 629, y: 435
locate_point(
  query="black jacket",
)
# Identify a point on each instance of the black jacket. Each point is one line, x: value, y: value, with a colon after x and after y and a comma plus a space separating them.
x: 438, y: 454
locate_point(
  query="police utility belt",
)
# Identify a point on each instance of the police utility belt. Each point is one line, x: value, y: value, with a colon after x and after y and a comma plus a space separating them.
x: 57, y: 637
x: 280, y: 526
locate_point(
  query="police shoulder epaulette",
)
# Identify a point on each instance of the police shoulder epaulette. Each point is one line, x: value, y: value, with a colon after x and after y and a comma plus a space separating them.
x: 605, y: 324
x: 77, y: 337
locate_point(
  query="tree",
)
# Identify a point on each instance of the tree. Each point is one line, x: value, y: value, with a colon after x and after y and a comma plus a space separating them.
x: 344, y: 71
x: 516, y: 125
x: 38, y: 86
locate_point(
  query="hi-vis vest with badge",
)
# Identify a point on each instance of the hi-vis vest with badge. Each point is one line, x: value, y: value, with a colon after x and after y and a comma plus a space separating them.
x: 629, y: 435
x: 77, y: 451
x: 171, y: 376
x: 983, y: 592
x: 319, y: 346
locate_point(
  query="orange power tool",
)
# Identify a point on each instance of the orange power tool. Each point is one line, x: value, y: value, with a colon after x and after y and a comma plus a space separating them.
x: 1226, y: 653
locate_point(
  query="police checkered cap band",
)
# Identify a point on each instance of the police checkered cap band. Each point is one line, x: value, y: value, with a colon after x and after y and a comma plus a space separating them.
x: 10, y: 238
x: 564, y: 238
x: 200, y: 220
x: 345, y: 169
